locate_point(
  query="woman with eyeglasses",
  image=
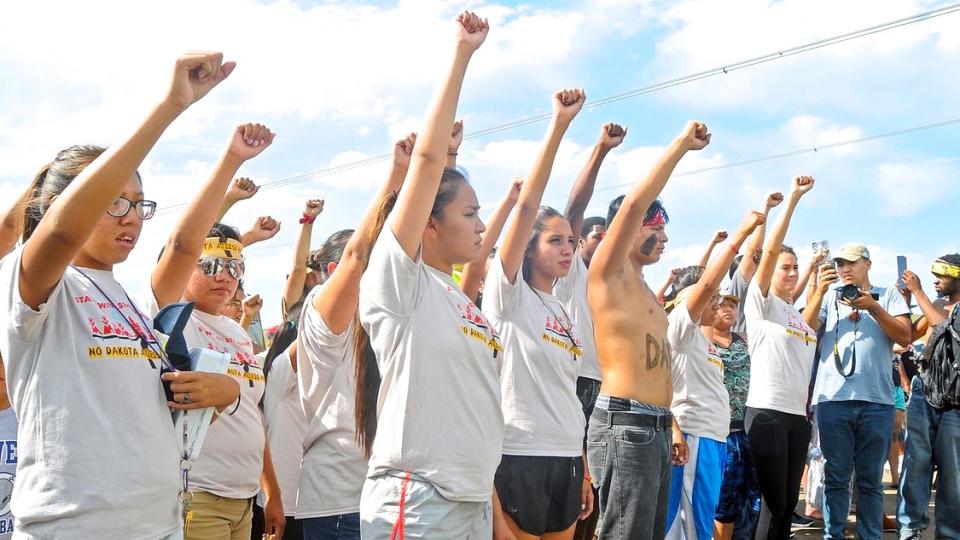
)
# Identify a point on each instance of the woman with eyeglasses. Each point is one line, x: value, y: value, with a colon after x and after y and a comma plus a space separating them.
x: 98, y: 455
x: 701, y: 405
x: 203, y: 263
x: 541, y: 483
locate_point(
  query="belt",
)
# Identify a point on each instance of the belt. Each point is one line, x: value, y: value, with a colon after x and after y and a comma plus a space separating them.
x: 625, y: 418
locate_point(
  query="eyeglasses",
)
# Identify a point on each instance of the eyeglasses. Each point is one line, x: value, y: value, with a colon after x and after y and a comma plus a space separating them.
x: 211, y: 266
x: 122, y: 206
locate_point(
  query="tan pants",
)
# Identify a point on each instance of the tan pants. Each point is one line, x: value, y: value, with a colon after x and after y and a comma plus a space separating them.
x: 218, y: 518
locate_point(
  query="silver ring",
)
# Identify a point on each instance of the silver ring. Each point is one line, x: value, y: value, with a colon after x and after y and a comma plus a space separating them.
x: 186, y: 397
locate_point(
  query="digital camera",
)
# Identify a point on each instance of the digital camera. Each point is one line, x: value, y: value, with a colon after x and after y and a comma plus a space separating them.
x: 850, y: 292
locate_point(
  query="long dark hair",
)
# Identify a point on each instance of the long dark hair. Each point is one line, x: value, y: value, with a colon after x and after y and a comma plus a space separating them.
x: 544, y: 214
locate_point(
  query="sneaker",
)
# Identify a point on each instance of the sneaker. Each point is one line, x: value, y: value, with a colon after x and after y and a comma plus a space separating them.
x: 801, y: 521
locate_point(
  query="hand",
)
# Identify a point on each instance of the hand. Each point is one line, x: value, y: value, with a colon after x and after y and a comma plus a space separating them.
x: 773, y: 199
x: 681, y: 451
x: 456, y: 137
x: 471, y: 30
x: 205, y: 389
x: 695, y: 136
x: 195, y: 74
x: 912, y: 282
x: 248, y: 140
x: 242, y: 189
x: 251, y: 305
x: 586, y: 500
x: 826, y: 277
x: 313, y: 208
x: 801, y: 185
x: 264, y: 228
x: 864, y: 302
x: 274, y: 518
x: 402, y: 151
x: 611, y: 135
x: 567, y: 103
x: 719, y: 236
x: 752, y: 220
x: 513, y: 192
x: 674, y: 274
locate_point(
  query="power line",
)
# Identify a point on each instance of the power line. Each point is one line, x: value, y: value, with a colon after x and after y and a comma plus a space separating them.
x: 716, y: 71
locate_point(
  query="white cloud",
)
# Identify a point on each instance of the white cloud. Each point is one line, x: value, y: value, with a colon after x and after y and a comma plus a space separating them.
x: 906, y: 188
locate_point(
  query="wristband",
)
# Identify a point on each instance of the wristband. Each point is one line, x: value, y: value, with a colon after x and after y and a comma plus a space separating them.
x: 307, y: 219
x: 587, y: 477
x: 734, y: 248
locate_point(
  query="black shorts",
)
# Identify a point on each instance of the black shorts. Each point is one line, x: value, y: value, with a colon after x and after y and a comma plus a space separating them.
x: 540, y: 493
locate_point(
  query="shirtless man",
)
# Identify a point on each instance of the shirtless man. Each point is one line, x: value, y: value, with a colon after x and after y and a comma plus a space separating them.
x: 629, y: 439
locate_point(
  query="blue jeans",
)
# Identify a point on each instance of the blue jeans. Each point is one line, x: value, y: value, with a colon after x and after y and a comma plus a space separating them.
x: 854, y: 435
x: 933, y: 437
x: 342, y: 527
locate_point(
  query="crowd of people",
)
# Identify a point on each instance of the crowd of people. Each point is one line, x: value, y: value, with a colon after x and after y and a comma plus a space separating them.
x: 440, y: 377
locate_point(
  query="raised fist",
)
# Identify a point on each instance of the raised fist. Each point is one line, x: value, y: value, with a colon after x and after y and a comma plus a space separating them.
x: 194, y: 75
x: 513, y: 192
x: 695, y: 136
x: 264, y: 228
x: 802, y: 184
x: 471, y: 30
x: 248, y: 140
x: 719, y: 236
x: 403, y: 150
x: 774, y: 199
x: 753, y: 220
x: 313, y: 208
x: 456, y: 137
x: 251, y: 305
x: 567, y: 103
x: 611, y: 135
x: 242, y: 189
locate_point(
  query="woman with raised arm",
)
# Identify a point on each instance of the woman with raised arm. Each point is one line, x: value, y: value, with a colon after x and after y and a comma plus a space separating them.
x: 701, y: 405
x: 439, y: 429
x: 782, y: 346
x: 334, y: 466
x: 99, y: 454
x: 540, y: 481
x: 301, y: 279
x: 203, y: 263
x: 475, y: 272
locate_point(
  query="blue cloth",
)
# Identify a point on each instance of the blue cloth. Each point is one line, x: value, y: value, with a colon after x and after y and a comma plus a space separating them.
x: 342, y: 527
x: 695, y: 490
x: 739, y: 490
x: 871, y: 380
x: 854, y: 435
x: 932, y: 437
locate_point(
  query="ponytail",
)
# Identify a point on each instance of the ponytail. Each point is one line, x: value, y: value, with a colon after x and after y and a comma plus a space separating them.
x: 367, y: 371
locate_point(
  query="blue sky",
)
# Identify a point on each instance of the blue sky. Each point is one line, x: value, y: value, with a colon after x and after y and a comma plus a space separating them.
x: 340, y: 81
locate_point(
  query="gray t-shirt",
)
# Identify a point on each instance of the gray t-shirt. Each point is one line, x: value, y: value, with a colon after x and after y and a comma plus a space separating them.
x: 8, y: 469
x: 738, y: 288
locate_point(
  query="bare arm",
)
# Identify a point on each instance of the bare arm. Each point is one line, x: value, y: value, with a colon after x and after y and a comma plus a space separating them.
x: 808, y: 272
x: 185, y: 245
x: 472, y: 275
x: 456, y: 138
x: 748, y: 265
x: 566, y: 105
x: 273, y: 513
x: 337, y: 301
x: 933, y: 314
x: 771, y: 252
x: 671, y: 279
x: 241, y: 189
x: 10, y: 221
x: 298, y: 274
x: 718, y: 238
x: 264, y: 228
x: 826, y: 276
x: 709, y: 282
x: 74, y: 214
x: 611, y: 255
x: 426, y: 165
x: 611, y: 135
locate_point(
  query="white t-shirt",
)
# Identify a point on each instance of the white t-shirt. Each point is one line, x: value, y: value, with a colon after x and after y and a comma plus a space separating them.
x: 572, y: 291
x: 286, y: 427
x: 541, y: 363
x: 231, y: 460
x: 700, y: 400
x: 333, y: 465
x: 782, y: 347
x: 97, y: 452
x: 8, y: 469
x: 439, y: 403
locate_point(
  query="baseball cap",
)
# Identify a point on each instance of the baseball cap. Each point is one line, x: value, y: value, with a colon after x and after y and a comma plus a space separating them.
x: 852, y: 252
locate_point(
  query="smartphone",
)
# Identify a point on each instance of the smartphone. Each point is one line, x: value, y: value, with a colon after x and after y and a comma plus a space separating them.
x: 901, y: 268
x: 822, y: 247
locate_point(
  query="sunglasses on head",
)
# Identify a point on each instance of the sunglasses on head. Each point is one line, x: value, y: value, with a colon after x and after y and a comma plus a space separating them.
x: 211, y: 266
x: 121, y: 207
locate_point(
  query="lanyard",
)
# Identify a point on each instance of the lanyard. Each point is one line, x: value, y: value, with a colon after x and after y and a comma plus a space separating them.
x: 566, y: 329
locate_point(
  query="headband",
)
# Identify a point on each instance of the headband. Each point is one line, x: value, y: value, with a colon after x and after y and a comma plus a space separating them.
x: 658, y: 218
x: 224, y: 249
x: 943, y: 268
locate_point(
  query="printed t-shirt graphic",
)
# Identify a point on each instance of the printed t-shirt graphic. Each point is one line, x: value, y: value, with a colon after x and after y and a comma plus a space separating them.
x: 439, y: 400
x: 541, y: 364
x: 231, y: 460
x: 333, y: 466
x: 99, y: 422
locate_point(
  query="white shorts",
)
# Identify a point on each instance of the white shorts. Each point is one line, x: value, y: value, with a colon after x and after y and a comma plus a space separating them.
x: 426, y: 513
